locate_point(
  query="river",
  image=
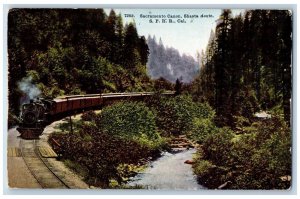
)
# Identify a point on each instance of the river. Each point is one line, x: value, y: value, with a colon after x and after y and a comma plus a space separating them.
x: 169, y: 172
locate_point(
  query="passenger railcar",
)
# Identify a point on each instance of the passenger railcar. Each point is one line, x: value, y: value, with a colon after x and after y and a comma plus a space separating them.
x: 40, y: 112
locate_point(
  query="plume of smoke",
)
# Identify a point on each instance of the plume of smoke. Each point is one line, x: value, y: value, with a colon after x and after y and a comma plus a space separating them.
x: 30, y: 91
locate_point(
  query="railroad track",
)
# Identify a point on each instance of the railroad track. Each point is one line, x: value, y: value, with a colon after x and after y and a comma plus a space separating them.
x: 39, y: 167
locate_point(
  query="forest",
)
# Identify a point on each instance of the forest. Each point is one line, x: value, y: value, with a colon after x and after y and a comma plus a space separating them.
x: 246, y: 69
x: 247, y: 61
x: 70, y: 51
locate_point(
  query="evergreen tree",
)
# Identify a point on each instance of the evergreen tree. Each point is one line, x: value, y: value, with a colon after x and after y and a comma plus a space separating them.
x: 223, y: 63
x: 74, y: 51
x: 247, y: 65
x: 178, y: 85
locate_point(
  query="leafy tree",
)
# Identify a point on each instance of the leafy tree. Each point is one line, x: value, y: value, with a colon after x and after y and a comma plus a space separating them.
x: 75, y: 51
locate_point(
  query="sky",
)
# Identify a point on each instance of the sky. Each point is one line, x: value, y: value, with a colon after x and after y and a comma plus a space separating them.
x: 188, y: 37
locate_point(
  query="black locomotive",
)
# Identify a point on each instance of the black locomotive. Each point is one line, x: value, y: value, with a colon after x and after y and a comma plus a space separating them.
x: 40, y: 112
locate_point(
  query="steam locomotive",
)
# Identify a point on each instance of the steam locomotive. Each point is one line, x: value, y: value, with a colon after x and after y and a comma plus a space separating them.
x: 41, y: 112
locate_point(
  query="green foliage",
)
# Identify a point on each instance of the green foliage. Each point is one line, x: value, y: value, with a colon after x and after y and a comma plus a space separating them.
x: 79, y: 169
x: 217, y: 146
x: 34, y: 75
x: 52, y: 91
x: 248, y: 98
x: 65, y: 126
x: 110, y: 147
x: 129, y: 170
x: 247, y: 65
x: 270, y: 158
x: 277, y: 110
x: 175, y: 115
x: 89, y: 116
x: 99, y: 156
x: 162, y: 84
x: 257, y: 159
x: 204, y: 110
x: 132, y: 121
x: 74, y: 51
x: 241, y: 122
x: 203, y: 167
x: 201, y: 128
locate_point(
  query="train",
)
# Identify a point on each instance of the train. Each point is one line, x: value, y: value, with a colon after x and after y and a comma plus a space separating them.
x: 38, y: 113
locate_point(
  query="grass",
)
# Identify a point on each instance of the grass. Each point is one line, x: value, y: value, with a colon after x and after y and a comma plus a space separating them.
x: 80, y: 170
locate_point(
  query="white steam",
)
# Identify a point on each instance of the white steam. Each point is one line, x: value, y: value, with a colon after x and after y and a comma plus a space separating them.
x: 29, y: 90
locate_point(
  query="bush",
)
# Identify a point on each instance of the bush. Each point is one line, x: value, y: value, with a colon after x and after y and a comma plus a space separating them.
x: 175, y: 115
x: 242, y: 148
x: 203, y: 167
x: 201, y: 129
x: 204, y: 110
x: 99, y: 158
x: 124, y: 133
x: 204, y: 170
x: 132, y: 121
x: 217, y: 146
x: 271, y: 157
x: 162, y: 84
x: 89, y: 116
x: 260, y: 158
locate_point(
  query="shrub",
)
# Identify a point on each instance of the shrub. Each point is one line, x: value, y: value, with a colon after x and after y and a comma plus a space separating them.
x: 266, y: 164
x: 130, y: 120
x: 204, y: 110
x: 201, y: 129
x: 175, y: 115
x: 217, y: 146
x: 242, y: 148
x: 259, y: 158
x: 162, y: 84
x: 272, y: 157
x: 203, y: 167
x: 124, y: 133
x: 100, y: 156
x: 89, y: 116
x: 204, y: 170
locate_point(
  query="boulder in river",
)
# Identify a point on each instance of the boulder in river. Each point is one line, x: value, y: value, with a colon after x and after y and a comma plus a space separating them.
x: 189, y: 162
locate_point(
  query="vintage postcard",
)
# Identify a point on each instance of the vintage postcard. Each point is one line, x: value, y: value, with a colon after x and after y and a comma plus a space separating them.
x: 149, y: 98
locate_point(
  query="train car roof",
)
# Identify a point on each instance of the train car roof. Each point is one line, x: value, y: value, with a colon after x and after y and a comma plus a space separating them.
x: 106, y: 95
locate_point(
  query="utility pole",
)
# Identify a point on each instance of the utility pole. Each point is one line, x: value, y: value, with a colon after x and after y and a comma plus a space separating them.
x: 70, y: 117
